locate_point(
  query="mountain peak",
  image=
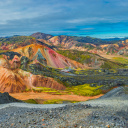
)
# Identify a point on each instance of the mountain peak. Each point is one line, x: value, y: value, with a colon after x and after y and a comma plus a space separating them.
x: 39, y: 35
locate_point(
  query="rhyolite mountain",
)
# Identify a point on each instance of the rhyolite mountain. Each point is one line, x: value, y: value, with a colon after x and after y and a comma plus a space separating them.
x: 44, y: 55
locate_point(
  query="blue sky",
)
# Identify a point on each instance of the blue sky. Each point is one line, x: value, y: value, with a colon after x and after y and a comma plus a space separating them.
x: 96, y: 18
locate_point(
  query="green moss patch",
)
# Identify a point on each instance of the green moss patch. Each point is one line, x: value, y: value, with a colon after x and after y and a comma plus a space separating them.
x: 53, y: 101
x: 120, y: 60
x: 31, y: 101
x: 85, y: 90
x: 46, y: 90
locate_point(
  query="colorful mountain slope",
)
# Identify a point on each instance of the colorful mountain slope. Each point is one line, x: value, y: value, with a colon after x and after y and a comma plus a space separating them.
x: 46, y: 56
x: 13, y: 79
x: 116, y: 48
x: 63, y: 41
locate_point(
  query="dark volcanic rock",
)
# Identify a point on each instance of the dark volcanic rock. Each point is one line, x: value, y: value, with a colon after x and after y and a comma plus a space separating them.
x: 121, y: 92
x: 6, y: 98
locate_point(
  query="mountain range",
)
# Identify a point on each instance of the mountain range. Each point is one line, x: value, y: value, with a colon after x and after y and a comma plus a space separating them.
x: 116, y: 46
x: 42, y: 60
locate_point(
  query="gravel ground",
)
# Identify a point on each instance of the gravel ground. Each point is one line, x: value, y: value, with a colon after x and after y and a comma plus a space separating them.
x: 108, y: 112
x: 90, y: 114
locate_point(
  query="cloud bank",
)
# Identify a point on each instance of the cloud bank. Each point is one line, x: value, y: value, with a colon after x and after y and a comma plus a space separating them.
x: 97, y: 18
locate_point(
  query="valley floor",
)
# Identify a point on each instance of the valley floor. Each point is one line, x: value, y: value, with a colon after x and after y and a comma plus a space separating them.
x: 46, y: 96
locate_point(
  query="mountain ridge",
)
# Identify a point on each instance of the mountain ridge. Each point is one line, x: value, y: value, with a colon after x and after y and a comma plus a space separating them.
x: 90, y: 44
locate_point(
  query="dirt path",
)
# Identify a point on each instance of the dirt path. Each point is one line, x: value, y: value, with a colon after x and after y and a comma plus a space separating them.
x: 46, y: 96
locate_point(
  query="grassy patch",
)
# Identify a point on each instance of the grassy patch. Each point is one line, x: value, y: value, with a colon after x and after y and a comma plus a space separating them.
x: 120, y: 60
x: 31, y: 101
x: 42, y: 89
x: 85, y: 90
x: 58, y: 101
x: 53, y: 101
x: 47, y: 90
x: 27, y: 90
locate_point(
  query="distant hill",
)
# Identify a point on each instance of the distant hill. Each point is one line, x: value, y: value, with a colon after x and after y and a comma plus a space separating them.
x: 92, y: 40
x: 40, y: 35
x: 7, y: 43
x: 117, y: 39
x: 65, y: 38
x: 15, y: 39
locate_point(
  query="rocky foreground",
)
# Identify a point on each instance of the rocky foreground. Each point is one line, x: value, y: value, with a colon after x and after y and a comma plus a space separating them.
x: 108, y: 111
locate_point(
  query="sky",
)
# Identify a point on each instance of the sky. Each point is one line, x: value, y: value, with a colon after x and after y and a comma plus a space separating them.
x: 95, y: 18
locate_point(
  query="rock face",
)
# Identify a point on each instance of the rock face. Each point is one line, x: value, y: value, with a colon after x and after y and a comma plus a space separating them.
x: 6, y: 98
x: 11, y: 81
x: 41, y: 81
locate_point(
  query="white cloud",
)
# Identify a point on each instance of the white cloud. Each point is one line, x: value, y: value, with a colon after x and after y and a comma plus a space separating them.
x: 15, y: 10
x: 23, y: 16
